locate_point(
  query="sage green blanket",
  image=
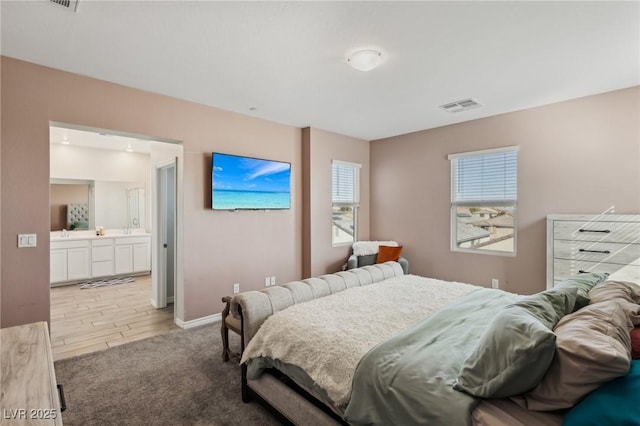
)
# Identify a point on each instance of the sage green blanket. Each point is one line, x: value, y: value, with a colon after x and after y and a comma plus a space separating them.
x: 407, y: 380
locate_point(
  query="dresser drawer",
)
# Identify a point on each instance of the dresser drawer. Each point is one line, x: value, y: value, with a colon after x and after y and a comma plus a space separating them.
x: 625, y: 254
x: 564, y: 269
x: 615, y: 232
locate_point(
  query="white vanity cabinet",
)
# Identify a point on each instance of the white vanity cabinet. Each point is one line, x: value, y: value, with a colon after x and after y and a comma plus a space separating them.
x: 102, y: 257
x: 91, y: 257
x: 133, y: 254
x: 69, y: 260
x: 58, y: 265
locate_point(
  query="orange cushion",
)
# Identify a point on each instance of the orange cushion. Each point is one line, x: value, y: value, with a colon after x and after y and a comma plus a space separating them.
x: 635, y: 343
x: 387, y: 253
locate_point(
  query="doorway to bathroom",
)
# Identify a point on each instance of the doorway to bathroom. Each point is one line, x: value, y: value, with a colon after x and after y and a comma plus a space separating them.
x: 113, y: 245
x: 164, y: 292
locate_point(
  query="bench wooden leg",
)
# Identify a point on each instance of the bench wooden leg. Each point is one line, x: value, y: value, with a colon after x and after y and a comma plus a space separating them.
x: 225, y: 342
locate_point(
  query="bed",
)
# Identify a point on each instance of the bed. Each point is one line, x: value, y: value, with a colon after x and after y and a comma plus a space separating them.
x: 375, y: 346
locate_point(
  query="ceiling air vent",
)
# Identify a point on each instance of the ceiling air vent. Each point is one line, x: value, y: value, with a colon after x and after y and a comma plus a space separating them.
x: 69, y: 4
x: 462, y: 105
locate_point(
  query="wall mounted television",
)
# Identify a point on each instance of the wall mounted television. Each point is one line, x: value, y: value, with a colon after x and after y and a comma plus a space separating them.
x: 246, y: 183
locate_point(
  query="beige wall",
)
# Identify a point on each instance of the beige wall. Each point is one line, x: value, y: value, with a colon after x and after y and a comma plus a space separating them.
x: 320, y: 148
x: 579, y: 156
x: 221, y: 248
x: 576, y: 156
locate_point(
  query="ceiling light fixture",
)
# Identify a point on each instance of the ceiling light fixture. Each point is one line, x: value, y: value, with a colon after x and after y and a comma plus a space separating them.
x: 365, y: 60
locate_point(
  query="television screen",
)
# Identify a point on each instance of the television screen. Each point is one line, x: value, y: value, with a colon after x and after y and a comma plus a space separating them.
x: 249, y: 183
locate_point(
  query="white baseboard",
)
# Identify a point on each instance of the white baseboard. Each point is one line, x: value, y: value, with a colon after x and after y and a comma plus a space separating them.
x: 210, y: 319
x: 170, y: 299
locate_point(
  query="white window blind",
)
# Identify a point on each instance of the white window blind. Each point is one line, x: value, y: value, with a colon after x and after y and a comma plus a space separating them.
x: 484, y: 194
x: 345, y: 182
x: 489, y: 178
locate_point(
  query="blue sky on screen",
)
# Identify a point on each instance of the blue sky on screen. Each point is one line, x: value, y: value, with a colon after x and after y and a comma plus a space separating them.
x: 231, y: 172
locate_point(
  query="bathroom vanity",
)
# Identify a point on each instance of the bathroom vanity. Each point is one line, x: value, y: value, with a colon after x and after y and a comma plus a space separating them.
x: 84, y: 255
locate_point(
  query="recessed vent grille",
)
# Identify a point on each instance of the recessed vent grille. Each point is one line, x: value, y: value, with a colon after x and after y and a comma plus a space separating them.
x: 69, y: 4
x: 462, y: 105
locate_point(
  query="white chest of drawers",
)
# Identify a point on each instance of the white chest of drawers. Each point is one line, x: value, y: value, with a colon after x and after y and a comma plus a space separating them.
x: 593, y: 243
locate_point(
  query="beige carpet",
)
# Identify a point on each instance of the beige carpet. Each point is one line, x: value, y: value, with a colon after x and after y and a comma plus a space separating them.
x: 174, y: 379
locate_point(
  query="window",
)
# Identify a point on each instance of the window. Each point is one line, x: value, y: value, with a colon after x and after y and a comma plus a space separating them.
x: 484, y: 194
x: 345, y: 196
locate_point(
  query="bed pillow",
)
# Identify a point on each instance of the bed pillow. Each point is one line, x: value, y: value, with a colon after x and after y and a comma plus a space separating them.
x: 388, y: 253
x: 593, y: 346
x: 614, y: 403
x: 615, y: 289
x: 517, y: 348
x: 584, y: 283
x: 627, y: 293
x: 635, y: 343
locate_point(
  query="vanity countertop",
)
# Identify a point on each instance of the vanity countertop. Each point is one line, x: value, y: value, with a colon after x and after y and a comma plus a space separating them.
x: 91, y: 235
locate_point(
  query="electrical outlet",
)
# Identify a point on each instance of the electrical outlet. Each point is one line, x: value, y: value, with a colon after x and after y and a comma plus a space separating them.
x: 273, y: 280
x: 267, y: 281
x: 236, y: 288
x: 495, y: 283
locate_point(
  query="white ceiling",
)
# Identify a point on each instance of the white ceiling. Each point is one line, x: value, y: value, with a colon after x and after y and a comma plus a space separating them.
x: 287, y: 59
x: 97, y: 140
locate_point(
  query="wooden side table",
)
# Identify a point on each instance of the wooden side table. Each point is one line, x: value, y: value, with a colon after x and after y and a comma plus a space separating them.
x: 30, y: 394
x: 229, y: 322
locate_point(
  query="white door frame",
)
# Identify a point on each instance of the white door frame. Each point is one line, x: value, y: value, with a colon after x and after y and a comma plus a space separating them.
x: 158, y: 283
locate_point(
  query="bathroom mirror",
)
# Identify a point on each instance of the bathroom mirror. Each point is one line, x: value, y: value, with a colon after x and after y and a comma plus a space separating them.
x: 86, y: 204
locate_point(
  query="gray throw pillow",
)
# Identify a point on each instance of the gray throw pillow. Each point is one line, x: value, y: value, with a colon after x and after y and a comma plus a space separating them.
x: 367, y: 259
x: 517, y: 348
x: 584, y: 283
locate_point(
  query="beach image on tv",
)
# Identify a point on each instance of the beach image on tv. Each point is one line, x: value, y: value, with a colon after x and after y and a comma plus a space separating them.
x: 249, y: 183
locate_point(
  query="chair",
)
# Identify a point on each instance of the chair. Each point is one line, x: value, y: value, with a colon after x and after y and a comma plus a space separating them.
x: 366, y: 253
x: 229, y: 322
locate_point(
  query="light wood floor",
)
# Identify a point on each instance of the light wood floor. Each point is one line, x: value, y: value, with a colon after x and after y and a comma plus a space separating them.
x: 90, y: 320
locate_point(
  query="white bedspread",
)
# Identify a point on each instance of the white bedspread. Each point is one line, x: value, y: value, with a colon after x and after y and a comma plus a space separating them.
x: 327, y: 337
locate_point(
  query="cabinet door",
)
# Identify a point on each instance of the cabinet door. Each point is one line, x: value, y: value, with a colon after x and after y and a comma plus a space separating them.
x: 58, y: 265
x: 78, y: 265
x: 124, y: 259
x: 142, y: 257
x: 102, y: 269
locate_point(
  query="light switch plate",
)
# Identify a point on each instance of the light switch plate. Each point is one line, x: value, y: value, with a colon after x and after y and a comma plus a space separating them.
x: 27, y: 240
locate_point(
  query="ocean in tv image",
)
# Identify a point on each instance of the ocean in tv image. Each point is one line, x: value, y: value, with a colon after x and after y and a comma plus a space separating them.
x: 249, y: 183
